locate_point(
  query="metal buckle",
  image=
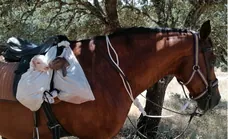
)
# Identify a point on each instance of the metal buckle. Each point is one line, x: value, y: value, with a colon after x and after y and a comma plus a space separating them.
x: 53, y: 126
x: 196, y: 67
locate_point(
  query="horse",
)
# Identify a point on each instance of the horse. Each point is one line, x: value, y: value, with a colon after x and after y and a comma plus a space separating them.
x: 145, y: 55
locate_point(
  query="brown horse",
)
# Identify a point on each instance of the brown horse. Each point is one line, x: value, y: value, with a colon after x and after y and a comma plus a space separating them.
x: 145, y: 56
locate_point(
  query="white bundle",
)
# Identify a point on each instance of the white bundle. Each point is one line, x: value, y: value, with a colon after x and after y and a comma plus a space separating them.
x: 74, y: 87
x: 33, y: 83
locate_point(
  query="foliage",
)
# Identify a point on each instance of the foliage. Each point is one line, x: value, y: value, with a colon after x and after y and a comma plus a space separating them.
x: 37, y: 19
x: 219, y: 32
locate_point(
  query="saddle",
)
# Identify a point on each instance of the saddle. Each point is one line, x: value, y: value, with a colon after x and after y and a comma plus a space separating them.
x: 19, y: 48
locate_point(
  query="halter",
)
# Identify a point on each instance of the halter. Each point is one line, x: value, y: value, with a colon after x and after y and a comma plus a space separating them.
x: 209, y: 85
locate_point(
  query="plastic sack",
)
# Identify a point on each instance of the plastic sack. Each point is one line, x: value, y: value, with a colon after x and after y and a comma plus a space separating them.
x: 74, y: 87
x: 31, y: 87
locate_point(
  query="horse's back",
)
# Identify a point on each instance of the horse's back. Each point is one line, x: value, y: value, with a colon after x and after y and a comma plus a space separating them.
x: 6, y: 80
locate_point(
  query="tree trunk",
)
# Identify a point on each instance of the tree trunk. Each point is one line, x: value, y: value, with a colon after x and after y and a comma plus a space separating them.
x: 112, y: 16
x: 156, y: 93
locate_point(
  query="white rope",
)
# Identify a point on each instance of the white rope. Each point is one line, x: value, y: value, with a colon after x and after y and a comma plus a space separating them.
x: 126, y: 83
x: 127, y: 86
x: 203, y: 78
x: 190, y: 79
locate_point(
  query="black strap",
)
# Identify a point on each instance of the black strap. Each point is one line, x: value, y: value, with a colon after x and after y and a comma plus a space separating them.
x: 35, y: 118
x: 53, y: 124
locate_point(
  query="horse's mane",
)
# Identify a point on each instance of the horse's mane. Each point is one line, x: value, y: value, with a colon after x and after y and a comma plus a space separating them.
x: 142, y: 30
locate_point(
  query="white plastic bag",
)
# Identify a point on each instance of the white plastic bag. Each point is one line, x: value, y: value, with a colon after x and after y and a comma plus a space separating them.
x: 74, y: 87
x: 31, y: 87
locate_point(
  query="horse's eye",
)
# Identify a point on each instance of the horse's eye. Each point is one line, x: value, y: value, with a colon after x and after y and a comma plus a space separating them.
x: 38, y: 63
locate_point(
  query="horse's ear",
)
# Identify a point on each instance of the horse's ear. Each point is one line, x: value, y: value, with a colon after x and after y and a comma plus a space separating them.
x: 205, y: 30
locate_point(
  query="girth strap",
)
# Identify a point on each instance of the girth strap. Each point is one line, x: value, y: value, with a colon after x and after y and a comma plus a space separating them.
x: 35, y: 131
x: 53, y: 124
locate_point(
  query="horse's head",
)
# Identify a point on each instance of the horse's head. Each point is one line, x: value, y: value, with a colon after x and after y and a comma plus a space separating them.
x: 197, y: 71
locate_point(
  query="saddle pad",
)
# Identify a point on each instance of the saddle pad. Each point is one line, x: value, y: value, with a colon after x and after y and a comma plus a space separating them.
x: 6, y: 80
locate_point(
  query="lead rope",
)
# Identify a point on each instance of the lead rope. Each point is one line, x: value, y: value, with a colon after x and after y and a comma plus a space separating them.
x: 126, y: 83
x: 189, y: 121
x: 184, y: 114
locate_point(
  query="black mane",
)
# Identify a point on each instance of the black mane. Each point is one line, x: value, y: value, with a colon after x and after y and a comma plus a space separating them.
x: 143, y: 30
x: 139, y: 30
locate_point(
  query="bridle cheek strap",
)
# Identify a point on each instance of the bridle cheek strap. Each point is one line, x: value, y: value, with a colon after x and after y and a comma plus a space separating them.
x: 202, y: 77
x: 196, y: 68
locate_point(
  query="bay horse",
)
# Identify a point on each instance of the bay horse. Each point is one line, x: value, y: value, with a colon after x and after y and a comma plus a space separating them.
x: 146, y: 55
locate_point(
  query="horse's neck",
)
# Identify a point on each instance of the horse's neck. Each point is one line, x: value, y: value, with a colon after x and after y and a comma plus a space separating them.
x: 164, y: 58
x: 144, y: 61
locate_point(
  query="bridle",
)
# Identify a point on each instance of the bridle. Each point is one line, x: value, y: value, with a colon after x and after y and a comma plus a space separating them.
x: 209, y: 84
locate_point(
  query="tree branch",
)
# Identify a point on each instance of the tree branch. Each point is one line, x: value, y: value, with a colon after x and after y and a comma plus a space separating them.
x: 151, y: 19
x: 93, y: 10
x: 198, y: 8
x: 97, y: 5
x: 30, y: 12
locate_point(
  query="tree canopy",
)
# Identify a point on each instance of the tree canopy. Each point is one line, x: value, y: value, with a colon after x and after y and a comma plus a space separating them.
x: 37, y: 19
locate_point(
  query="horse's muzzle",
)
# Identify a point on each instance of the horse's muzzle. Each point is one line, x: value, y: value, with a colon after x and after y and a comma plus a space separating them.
x: 210, y: 100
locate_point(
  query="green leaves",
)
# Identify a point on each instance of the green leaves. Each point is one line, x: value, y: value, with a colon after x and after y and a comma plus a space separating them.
x: 37, y: 19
